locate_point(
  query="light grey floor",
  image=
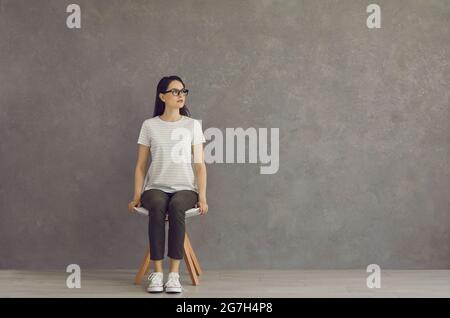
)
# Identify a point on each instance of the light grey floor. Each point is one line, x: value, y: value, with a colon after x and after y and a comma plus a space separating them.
x: 233, y: 283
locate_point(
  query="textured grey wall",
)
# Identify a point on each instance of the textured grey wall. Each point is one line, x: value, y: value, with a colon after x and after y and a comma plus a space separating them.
x: 363, y: 114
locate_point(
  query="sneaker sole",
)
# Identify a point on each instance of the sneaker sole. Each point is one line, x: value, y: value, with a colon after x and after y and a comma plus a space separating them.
x: 155, y: 289
x: 173, y: 290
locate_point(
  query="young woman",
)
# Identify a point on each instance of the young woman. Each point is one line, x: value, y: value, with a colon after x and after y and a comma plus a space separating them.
x: 174, y: 182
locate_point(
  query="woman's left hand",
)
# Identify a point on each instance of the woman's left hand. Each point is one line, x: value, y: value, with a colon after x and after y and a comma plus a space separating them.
x: 203, y: 206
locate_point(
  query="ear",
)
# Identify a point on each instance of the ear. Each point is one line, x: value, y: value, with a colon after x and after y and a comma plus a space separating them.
x: 161, y: 97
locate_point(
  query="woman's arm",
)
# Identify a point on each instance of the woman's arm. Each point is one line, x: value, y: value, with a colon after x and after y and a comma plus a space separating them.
x: 140, y: 170
x: 200, y: 173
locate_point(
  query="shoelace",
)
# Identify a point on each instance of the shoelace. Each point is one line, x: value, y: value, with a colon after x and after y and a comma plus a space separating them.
x: 174, y: 281
x: 152, y: 275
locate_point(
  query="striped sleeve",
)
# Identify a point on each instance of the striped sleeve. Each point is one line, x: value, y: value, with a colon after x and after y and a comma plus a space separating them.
x: 144, y: 138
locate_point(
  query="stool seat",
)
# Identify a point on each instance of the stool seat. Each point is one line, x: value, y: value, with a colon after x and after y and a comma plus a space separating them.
x: 188, y: 213
x: 191, y: 260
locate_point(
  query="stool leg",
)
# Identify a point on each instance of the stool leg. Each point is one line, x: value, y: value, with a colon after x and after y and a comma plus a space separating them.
x: 190, y: 263
x: 143, y: 269
x: 194, y: 257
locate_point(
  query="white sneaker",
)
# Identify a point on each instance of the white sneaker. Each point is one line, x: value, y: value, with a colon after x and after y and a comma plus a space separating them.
x: 173, y: 284
x: 156, y: 282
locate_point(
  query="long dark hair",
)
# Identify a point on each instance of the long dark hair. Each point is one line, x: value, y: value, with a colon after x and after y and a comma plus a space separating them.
x: 161, y: 88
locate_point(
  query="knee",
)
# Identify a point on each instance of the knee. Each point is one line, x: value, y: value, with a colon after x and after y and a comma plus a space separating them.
x: 154, y: 204
x: 176, y: 206
x: 177, y: 210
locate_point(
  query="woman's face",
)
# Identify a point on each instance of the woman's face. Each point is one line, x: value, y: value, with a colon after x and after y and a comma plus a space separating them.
x: 173, y: 101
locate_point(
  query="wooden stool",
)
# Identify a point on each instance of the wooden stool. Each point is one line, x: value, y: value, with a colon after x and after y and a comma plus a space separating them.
x: 190, y: 259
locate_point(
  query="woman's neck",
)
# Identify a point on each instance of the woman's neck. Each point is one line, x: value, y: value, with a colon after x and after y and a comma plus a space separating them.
x: 171, y: 115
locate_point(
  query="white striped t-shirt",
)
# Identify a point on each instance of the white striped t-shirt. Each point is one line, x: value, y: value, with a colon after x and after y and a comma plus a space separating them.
x: 170, y: 143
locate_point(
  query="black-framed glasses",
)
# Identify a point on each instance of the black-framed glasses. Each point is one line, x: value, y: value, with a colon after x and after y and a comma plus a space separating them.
x: 176, y: 91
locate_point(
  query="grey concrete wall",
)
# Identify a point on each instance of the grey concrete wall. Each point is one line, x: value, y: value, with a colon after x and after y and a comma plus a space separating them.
x: 363, y: 114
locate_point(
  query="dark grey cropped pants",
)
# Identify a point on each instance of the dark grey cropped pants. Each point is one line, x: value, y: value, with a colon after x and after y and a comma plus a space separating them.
x: 158, y: 203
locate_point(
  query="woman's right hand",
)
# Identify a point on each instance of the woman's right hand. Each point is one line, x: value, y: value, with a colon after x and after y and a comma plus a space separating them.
x: 136, y: 202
